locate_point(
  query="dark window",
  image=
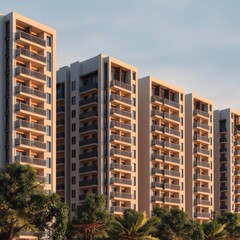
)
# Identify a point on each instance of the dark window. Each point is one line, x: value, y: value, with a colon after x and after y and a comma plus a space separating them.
x: 48, y: 98
x: 49, y: 146
x: 49, y: 41
x: 49, y: 82
x: 73, y: 166
x: 48, y: 162
x: 48, y: 130
x: 73, y: 85
x: 73, y: 153
x: 73, y: 140
x: 73, y: 100
x: 49, y: 61
x: 73, y: 180
x: 49, y: 114
x: 73, y: 113
x: 73, y: 127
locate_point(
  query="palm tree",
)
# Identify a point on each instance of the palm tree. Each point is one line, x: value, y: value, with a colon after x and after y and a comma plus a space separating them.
x: 214, y: 230
x: 132, y: 225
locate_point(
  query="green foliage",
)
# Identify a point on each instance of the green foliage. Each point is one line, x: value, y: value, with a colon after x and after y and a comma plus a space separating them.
x: 132, y: 225
x: 214, y: 230
x: 196, y: 231
x: 92, y: 219
x: 25, y: 207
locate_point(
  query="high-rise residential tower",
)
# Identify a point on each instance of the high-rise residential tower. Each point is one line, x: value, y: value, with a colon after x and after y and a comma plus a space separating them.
x: 199, y: 151
x: 227, y: 160
x: 161, y: 145
x: 27, y: 97
x: 97, y: 142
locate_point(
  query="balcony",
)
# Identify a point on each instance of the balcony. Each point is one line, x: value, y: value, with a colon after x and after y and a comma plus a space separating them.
x: 222, y: 129
x: 202, y: 202
x: 60, y: 134
x: 121, y: 195
x: 60, y: 109
x: 27, y: 53
x: 202, y: 177
x: 223, y: 169
x: 87, y: 155
x: 88, y: 128
x: 237, y: 162
x: 88, y: 183
x: 237, y: 132
x: 222, y: 197
x: 171, y: 117
x: 165, y: 158
x: 120, y: 138
x: 223, y: 207
x: 156, y: 156
x: 201, y: 151
x: 223, y: 178
x: 87, y: 169
x: 30, y: 109
x: 31, y: 91
x: 30, y: 125
x: 60, y: 122
x: 202, y: 164
x: 201, y: 125
x: 237, y: 191
x: 223, y: 159
x: 157, y: 170
x: 121, y: 112
x: 223, y: 188
x: 236, y: 143
x: 121, y: 125
x: 156, y: 98
x: 223, y: 149
x: 172, y: 200
x: 237, y: 172
x: 30, y: 143
x: 122, y: 85
x: 202, y: 215
x: 171, y: 145
x: 60, y: 187
x: 201, y: 138
x: 118, y: 209
x: 31, y: 160
x: 202, y: 189
x: 31, y: 38
x: 172, y: 173
x: 157, y: 142
x: 60, y: 174
x: 172, y: 186
x: 60, y: 148
x: 89, y: 87
x: 89, y: 100
x: 157, y: 113
x: 60, y: 160
x: 171, y: 103
x: 171, y: 131
x: 157, y: 185
x: 237, y: 152
x: 88, y: 141
x: 201, y: 113
x: 157, y: 199
x: 124, y: 167
x: 157, y: 128
x: 87, y: 115
x: 124, y: 153
x: 121, y: 181
x: 30, y: 73
x: 121, y: 99
x: 223, y: 140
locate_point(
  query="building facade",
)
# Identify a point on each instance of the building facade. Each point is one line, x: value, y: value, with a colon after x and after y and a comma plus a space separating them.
x: 227, y: 160
x: 199, y: 153
x: 161, y: 145
x: 98, y: 154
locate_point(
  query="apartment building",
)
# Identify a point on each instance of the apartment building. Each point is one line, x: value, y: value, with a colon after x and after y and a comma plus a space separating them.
x: 161, y: 145
x: 98, y: 154
x: 227, y: 160
x: 27, y: 96
x: 199, y: 157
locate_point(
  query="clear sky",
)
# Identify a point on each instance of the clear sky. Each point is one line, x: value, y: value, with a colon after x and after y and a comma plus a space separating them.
x: 194, y: 44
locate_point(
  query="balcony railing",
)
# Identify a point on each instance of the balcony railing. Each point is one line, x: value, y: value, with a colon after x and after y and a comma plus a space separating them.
x: 156, y: 142
x: 237, y: 143
x: 172, y: 200
x: 201, y: 138
x: 172, y: 145
x: 88, y: 155
x: 172, y: 131
x: 202, y: 164
x: 31, y: 91
x: 31, y: 160
x: 201, y: 125
x: 223, y: 188
x: 29, y: 142
x: 157, y: 170
x: 120, y: 98
x: 60, y: 160
x: 88, y: 87
x: 88, y: 141
x: 157, y: 156
x: 166, y: 158
x: 60, y: 122
x: 30, y: 54
x: 121, y: 84
x: 121, y: 195
x: 121, y: 152
x: 223, y: 149
x: 60, y: 187
x: 121, y: 181
x: 120, y: 112
x: 120, y: 125
x: 90, y: 100
x: 223, y: 139
x: 202, y: 215
x: 172, y: 173
x: 236, y: 162
x: 120, y: 138
x: 156, y: 98
x: 237, y: 132
x: 223, y: 178
x: 201, y: 150
x: 157, y: 185
x: 60, y: 174
x: 88, y: 115
x: 157, y: 113
x: 28, y: 108
x: 118, y: 209
x: 202, y: 202
x: 60, y: 109
x: 237, y: 152
x: 60, y: 148
x: 121, y: 166
x: 172, y: 186
x: 31, y: 73
x: 60, y: 134
x: 202, y: 177
x: 31, y: 38
x: 87, y: 128
x: 171, y: 103
x: 200, y: 112
x: 157, y: 128
x: 172, y: 117
x: 202, y: 189
x: 157, y: 199
x: 85, y: 169
x: 90, y: 182
x: 26, y: 124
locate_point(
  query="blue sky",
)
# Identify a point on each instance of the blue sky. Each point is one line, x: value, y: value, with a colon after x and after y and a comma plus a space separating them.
x: 194, y: 44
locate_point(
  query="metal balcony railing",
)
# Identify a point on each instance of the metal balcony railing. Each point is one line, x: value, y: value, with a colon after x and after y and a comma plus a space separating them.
x: 202, y: 189
x: 121, y: 195
x: 120, y: 138
x: 201, y: 150
x: 27, y: 53
x: 31, y: 160
x: 31, y: 91
x: 84, y: 169
x: 87, y: 128
x: 201, y: 112
x: 91, y: 86
x: 26, y: 124
x: 88, y: 141
x: 201, y: 138
x: 31, y: 38
x: 202, y: 164
x: 90, y: 182
x: 202, y: 202
x: 172, y: 186
x: 120, y: 125
x: 31, y: 73
x: 29, y: 142
x: 121, y: 84
x: 202, y: 177
x: 121, y: 166
x: 172, y: 200
x: 201, y: 125
x: 171, y: 103
x: 120, y: 112
x: 120, y: 98
x: 121, y: 152
x: 29, y: 108
x: 121, y: 181
x: 89, y: 100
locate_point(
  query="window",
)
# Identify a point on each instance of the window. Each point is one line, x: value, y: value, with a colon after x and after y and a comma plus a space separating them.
x: 73, y: 166
x: 134, y: 127
x: 133, y: 114
x: 49, y: 82
x: 48, y: 98
x: 73, y: 180
x: 49, y: 146
x: 48, y: 130
x: 134, y: 88
x: 73, y: 193
x: 49, y: 61
x: 134, y: 76
x: 48, y: 162
x: 48, y: 114
x: 73, y: 127
x: 73, y: 100
x: 73, y: 113
x: 48, y: 178
x: 73, y: 85
x: 49, y: 41
x: 73, y: 153
x: 134, y: 102
x: 73, y: 140
x: 73, y: 207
